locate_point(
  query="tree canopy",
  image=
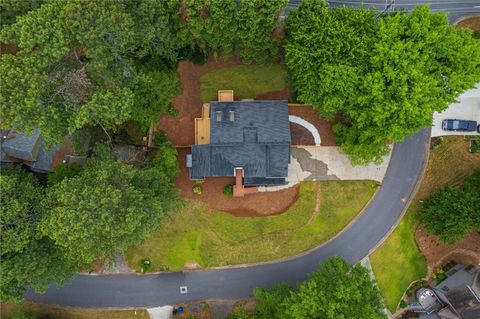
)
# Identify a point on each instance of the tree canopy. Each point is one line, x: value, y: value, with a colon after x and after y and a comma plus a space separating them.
x: 84, y: 63
x: 106, y: 208
x: 379, y: 79
x: 28, y: 259
x: 451, y: 212
x: 336, y: 290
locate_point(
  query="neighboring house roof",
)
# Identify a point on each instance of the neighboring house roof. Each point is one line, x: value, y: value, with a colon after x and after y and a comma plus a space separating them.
x: 464, y: 302
x: 31, y: 150
x: 17, y: 145
x: 255, y: 137
x: 45, y: 159
x: 460, y: 291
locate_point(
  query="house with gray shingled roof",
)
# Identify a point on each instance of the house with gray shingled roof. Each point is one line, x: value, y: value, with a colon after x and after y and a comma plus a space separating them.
x: 30, y: 150
x: 251, y: 137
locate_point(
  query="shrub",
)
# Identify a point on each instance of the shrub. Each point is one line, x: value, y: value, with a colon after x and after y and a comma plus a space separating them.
x: 436, y: 142
x: 239, y: 313
x: 154, y: 92
x: 452, y: 212
x: 166, y: 157
x: 228, y: 190
x: 63, y: 171
x: 197, y: 189
x: 474, y: 146
x: 145, y: 265
x: 20, y: 315
x: 195, y: 55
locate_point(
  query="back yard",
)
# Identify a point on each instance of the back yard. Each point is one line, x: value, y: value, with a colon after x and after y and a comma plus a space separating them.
x: 197, y: 234
x: 399, y: 261
x: 247, y: 81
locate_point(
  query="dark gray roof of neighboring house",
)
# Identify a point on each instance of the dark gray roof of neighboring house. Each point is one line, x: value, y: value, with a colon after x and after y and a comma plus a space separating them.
x: 30, y: 150
x: 258, y: 140
x: 23, y: 147
x: 465, y: 303
x: 44, y: 161
x: 269, y: 118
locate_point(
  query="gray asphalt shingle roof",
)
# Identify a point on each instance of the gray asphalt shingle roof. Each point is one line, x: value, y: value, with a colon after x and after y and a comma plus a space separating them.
x: 258, y: 140
x: 23, y: 147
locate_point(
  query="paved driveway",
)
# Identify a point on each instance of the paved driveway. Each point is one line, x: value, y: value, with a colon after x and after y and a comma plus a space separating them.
x: 467, y: 108
x: 321, y: 163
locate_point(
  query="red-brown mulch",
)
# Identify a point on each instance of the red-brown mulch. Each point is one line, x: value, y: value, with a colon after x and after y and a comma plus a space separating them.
x: 259, y: 204
x: 300, y: 135
x: 283, y: 94
x: 324, y: 127
x: 437, y: 254
x: 181, y: 129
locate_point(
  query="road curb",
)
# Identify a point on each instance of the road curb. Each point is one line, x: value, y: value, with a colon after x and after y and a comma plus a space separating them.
x: 411, y: 197
x: 465, y: 18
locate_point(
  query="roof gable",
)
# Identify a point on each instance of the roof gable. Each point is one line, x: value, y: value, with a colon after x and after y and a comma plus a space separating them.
x: 268, y: 118
x: 23, y: 147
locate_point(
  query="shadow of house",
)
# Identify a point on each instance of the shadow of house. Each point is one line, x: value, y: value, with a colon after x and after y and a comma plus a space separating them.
x: 31, y: 151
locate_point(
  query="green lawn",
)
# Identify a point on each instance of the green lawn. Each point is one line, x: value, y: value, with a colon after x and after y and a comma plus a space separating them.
x: 247, y: 81
x: 210, y: 238
x: 398, y: 261
x: 43, y: 311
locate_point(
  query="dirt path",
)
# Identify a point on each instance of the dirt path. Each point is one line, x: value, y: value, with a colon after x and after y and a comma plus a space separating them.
x: 318, y: 199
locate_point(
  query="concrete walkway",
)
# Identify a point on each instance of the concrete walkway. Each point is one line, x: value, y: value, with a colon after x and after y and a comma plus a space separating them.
x: 160, y: 312
x: 319, y: 163
x: 467, y: 108
x: 308, y: 126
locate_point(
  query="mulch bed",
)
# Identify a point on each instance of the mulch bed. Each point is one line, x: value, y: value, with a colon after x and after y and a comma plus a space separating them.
x: 276, y: 95
x: 181, y: 129
x: 259, y: 204
x: 437, y: 254
x: 324, y: 127
x: 300, y: 135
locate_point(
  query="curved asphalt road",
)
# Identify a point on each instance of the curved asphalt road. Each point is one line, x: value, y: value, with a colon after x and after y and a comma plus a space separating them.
x: 454, y: 8
x: 354, y: 243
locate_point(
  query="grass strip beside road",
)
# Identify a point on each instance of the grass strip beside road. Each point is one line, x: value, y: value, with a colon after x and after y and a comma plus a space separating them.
x: 209, y: 238
x: 44, y: 311
x: 247, y: 81
x: 398, y: 261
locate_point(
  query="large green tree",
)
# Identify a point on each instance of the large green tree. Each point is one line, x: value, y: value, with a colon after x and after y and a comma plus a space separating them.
x: 28, y: 258
x: 257, y: 19
x: 380, y: 79
x: 211, y: 25
x: 336, y: 290
x: 452, y: 212
x: 77, y: 63
x: 105, y: 209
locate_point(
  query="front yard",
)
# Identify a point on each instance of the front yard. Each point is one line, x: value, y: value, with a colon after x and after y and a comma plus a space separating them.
x: 197, y: 234
x: 398, y: 261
